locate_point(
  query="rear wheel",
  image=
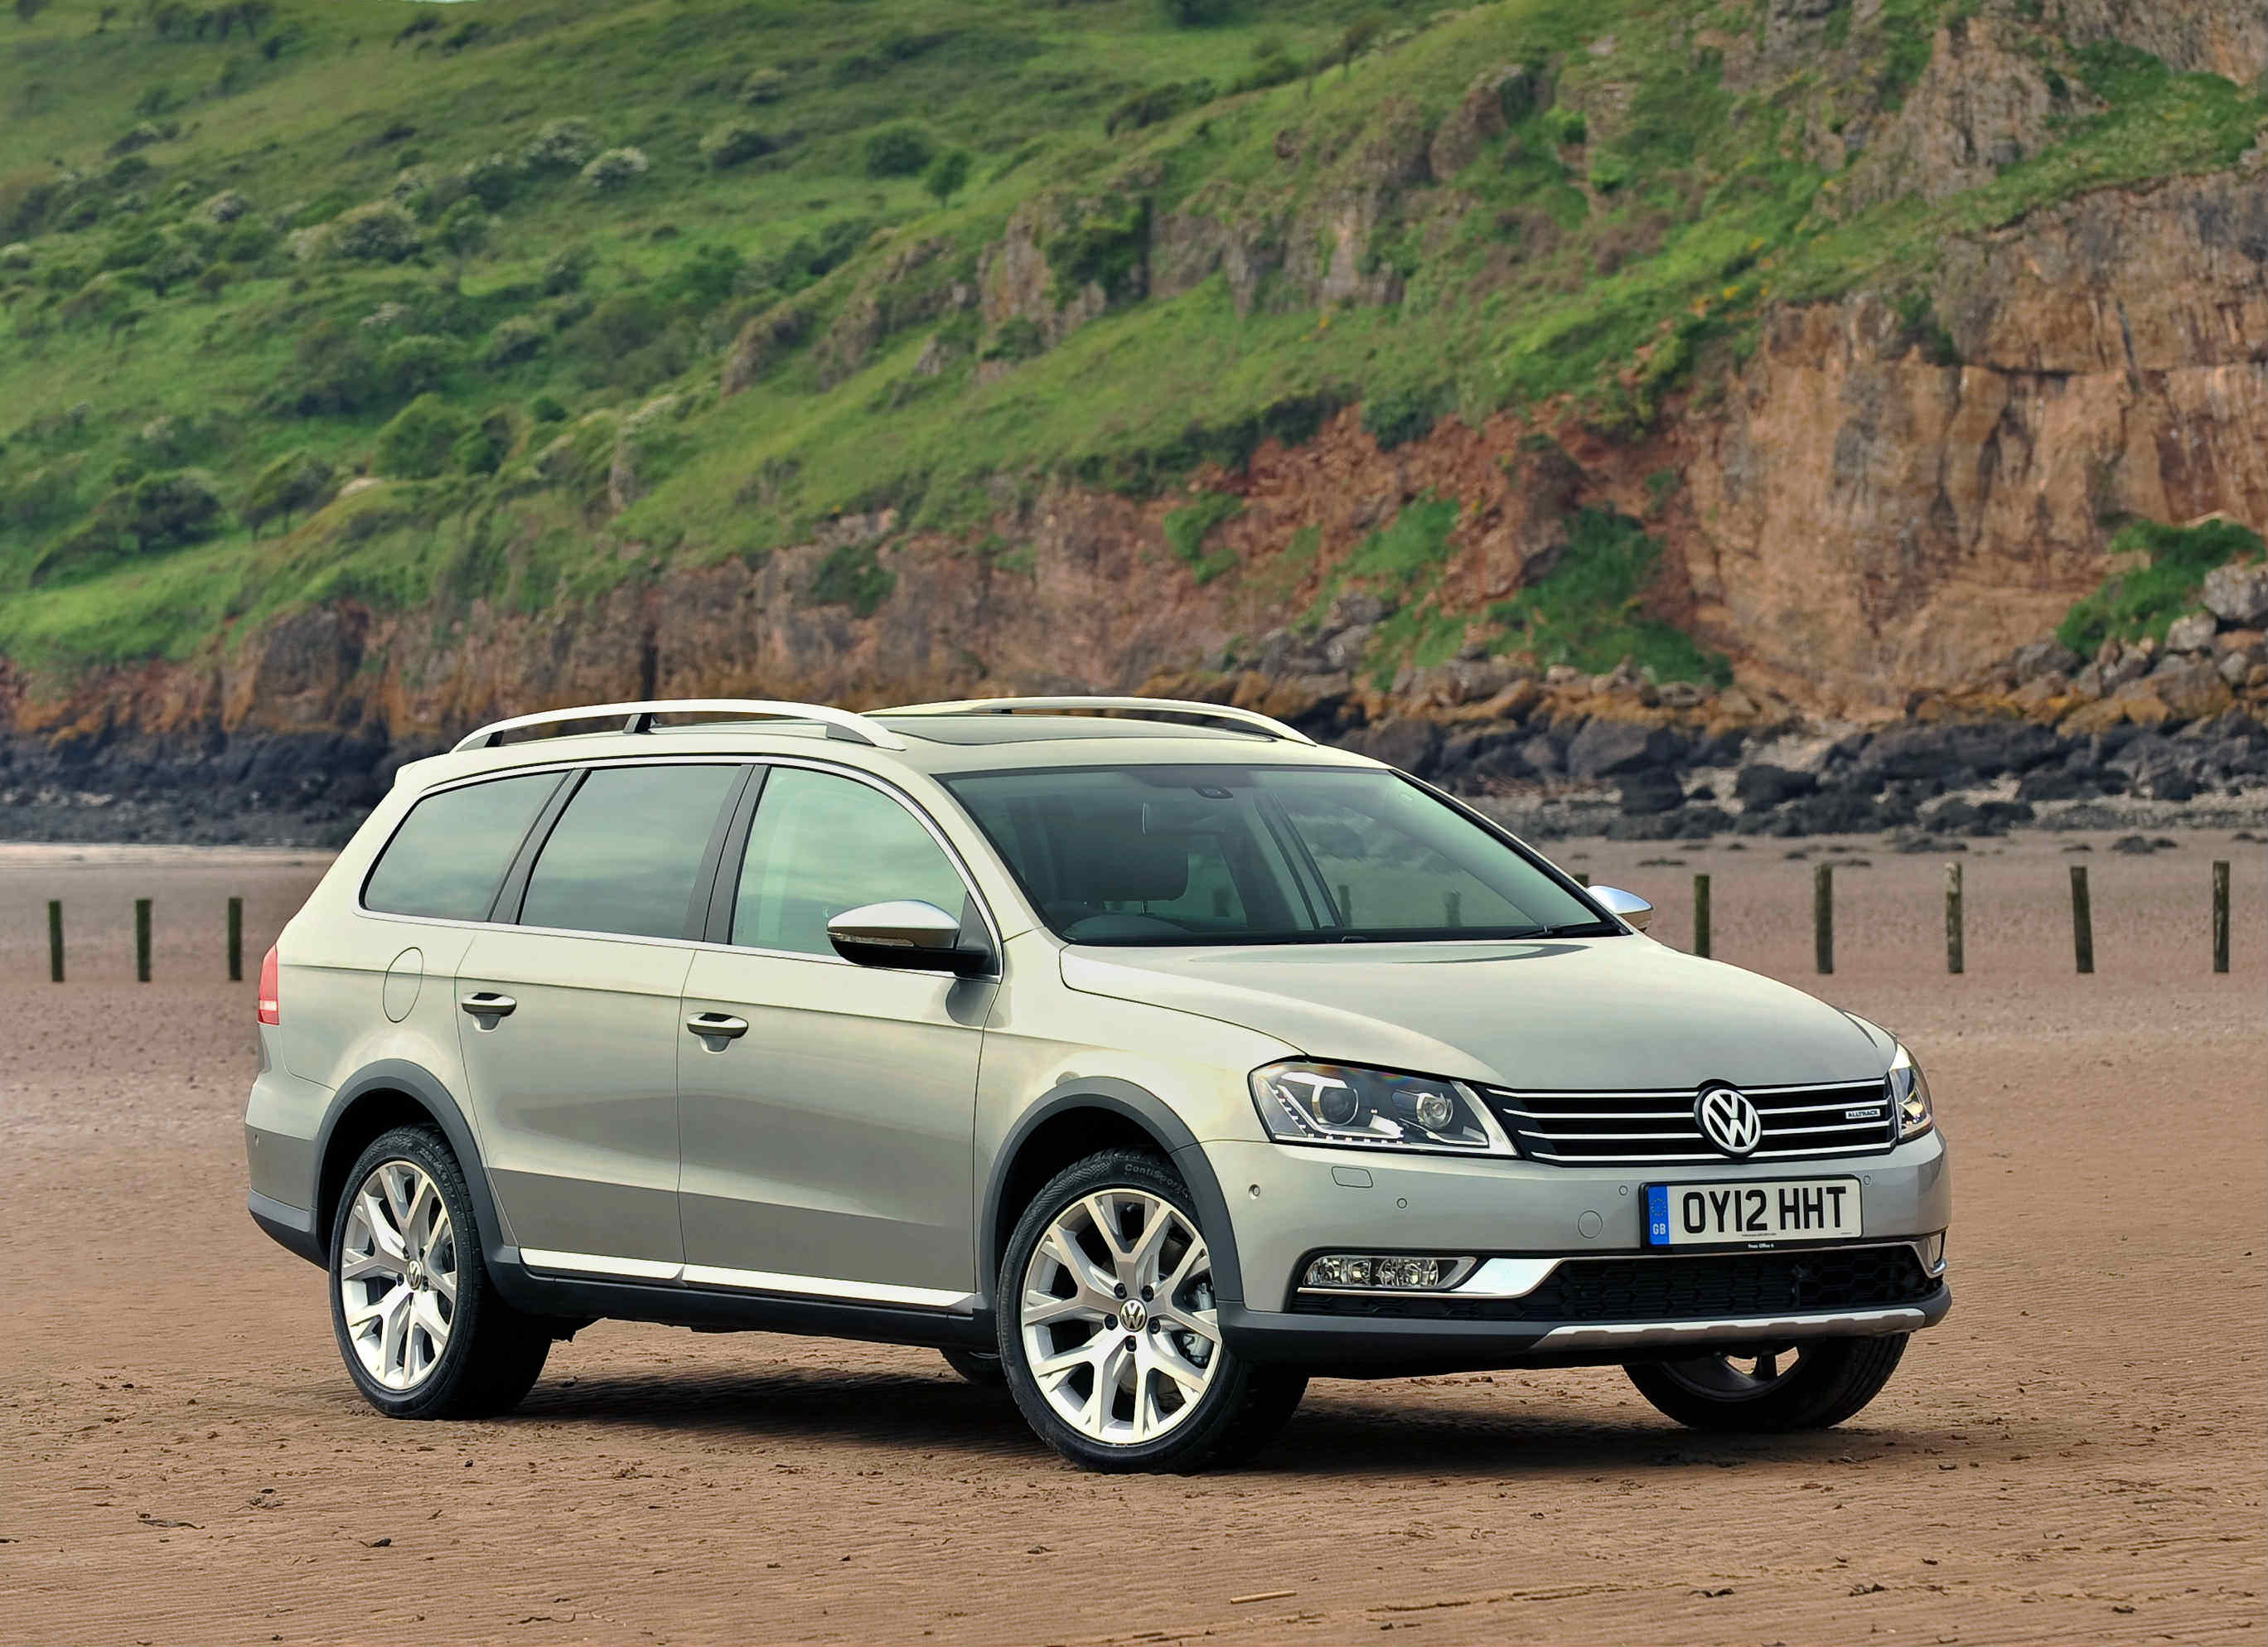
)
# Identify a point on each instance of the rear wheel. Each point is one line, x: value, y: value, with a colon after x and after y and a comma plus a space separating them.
x: 1109, y: 1331
x: 422, y: 1329
x: 1773, y: 1387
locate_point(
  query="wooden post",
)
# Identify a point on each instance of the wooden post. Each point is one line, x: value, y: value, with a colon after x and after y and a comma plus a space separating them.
x: 141, y: 939
x: 2221, y: 914
x: 236, y: 940
x: 55, y: 939
x: 1582, y: 877
x: 1346, y: 904
x: 1955, y: 951
x: 2083, y: 921
x: 1823, y: 916
x: 1452, y: 909
x: 1701, y: 914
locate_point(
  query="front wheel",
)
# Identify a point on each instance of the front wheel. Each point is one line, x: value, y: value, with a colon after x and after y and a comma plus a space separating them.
x: 1109, y: 1331
x: 422, y: 1329
x: 1773, y: 1387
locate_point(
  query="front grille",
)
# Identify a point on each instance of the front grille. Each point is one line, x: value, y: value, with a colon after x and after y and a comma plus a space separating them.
x: 1717, y: 1286
x: 1638, y: 1128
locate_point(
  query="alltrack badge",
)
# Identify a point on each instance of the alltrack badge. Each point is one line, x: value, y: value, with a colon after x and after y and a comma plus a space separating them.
x: 1729, y: 1120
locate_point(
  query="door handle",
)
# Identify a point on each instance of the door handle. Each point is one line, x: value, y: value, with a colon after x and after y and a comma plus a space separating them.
x: 486, y: 1005
x: 717, y: 1026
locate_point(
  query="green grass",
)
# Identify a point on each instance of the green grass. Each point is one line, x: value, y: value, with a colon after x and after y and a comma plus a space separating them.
x: 1587, y: 611
x: 1599, y: 276
x: 2142, y: 601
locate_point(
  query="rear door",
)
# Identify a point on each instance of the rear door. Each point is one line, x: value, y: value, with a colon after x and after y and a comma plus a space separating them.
x: 568, y: 1017
x: 828, y: 1147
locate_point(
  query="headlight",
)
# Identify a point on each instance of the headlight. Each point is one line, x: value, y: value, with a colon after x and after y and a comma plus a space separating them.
x: 1910, y: 1093
x: 1374, y: 1108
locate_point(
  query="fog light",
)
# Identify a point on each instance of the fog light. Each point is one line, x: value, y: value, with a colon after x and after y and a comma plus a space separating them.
x: 1349, y: 1269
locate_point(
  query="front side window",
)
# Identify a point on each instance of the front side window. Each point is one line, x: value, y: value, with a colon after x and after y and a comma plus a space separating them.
x: 1220, y: 854
x: 821, y: 844
x: 626, y: 851
x: 449, y: 856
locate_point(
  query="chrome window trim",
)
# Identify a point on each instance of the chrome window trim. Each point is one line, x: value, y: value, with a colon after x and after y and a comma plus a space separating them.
x: 953, y: 855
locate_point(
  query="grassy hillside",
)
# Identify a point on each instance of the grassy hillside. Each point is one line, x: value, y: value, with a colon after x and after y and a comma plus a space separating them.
x: 496, y: 254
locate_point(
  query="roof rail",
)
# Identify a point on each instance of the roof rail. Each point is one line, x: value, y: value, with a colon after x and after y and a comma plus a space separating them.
x: 1249, y: 721
x: 840, y: 723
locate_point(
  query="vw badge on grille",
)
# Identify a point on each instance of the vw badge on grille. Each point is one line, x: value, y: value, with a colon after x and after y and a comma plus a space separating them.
x: 1729, y: 1120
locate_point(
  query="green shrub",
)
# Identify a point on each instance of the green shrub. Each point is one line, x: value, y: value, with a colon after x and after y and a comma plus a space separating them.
x: 1157, y: 103
x: 380, y: 233
x: 947, y: 175
x: 26, y: 199
x: 762, y: 86
x: 564, y: 270
x: 1566, y: 125
x: 1588, y: 609
x: 514, y: 339
x: 492, y: 180
x: 2131, y: 605
x: 616, y: 169
x: 297, y: 482
x: 482, y: 448
x: 1401, y: 416
x: 417, y: 364
x: 1187, y: 529
x: 899, y: 151
x: 853, y: 576
x: 733, y: 141
x: 172, y: 506
x: 15, y: 257
x: 547, y: 409
x: 416, y: 446
x: 704, y: 279
x: 562, y: 146
x: 1195, y: 13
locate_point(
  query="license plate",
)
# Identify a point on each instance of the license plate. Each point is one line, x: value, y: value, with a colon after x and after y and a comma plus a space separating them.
x: 1774, y: 1209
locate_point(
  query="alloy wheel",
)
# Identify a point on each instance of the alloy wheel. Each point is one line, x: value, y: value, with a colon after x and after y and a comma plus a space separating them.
x: 1119, y: 1325
x: 398, y: 1275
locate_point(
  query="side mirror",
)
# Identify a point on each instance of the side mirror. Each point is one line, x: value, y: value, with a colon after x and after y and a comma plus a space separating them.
x: 906, y: 933
x: 1629, y: 905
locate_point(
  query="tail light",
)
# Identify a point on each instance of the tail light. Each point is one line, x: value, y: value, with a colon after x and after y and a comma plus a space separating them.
x: 271, y: 1000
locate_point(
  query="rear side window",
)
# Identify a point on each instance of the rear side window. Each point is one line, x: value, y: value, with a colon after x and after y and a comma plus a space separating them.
x: 821, y: 844
x: 626, y: 851
x: 451, y: 853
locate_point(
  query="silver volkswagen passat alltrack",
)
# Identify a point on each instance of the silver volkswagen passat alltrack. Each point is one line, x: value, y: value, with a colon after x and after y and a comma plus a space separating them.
x: 1142, y: 1056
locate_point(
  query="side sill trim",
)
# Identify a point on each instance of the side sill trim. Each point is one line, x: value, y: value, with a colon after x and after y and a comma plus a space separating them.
x: 1837, y: 1323
x: 650, y: 1270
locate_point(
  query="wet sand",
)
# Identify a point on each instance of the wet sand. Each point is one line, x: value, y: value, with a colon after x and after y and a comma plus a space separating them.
x: 2078, y: 1454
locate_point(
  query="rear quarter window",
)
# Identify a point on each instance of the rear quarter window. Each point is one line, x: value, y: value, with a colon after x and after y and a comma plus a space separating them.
x: 449, y: 856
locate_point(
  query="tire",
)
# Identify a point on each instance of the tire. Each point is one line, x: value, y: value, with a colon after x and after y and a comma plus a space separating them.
x: 1118, y: 1389
x: 1832, y: 1379
x: 472, y: 1357
x: 980, y: 1366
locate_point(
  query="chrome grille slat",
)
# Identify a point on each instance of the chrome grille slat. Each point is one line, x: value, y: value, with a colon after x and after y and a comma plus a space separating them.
x: 1636, y: 1128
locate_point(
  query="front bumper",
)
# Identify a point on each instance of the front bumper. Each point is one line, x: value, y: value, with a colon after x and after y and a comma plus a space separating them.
x: 1389, y: 1346
x: 1289, y: 1203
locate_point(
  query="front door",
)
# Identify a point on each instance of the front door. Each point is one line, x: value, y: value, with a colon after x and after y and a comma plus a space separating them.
x: 828, y: 1147
x: 569, y: 1024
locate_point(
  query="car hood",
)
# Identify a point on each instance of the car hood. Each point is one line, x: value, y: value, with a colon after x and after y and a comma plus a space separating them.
x: 1566, y: 1014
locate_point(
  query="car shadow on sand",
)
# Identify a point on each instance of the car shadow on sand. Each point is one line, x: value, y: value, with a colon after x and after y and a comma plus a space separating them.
x: 1342, y: 1428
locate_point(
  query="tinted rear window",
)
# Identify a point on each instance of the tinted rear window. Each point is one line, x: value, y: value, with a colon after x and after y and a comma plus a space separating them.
x: 451, y: 853
x: 626, y: 851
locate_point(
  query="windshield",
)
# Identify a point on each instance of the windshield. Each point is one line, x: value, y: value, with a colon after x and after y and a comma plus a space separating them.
x: 1235, y: 855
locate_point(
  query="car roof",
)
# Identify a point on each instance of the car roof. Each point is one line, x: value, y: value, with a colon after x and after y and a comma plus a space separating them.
x: 938, y: 744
